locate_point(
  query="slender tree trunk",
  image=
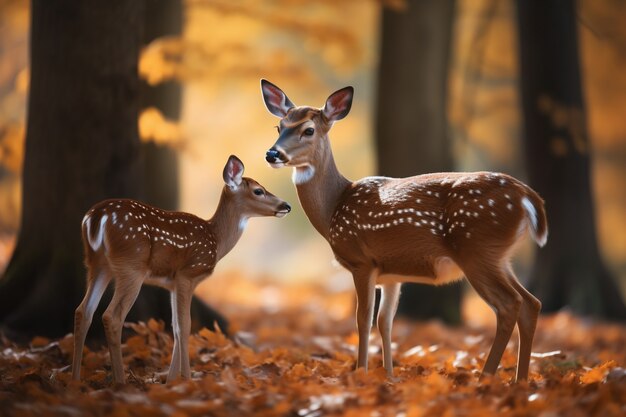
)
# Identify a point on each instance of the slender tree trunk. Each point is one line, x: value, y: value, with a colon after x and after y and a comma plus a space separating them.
x: 160, y: 161
x: 569, y: 271
x: 411, y: 119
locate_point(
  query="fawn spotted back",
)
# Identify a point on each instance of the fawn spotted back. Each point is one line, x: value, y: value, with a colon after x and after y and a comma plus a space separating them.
x: 159, y: 241
x: 132, y: 243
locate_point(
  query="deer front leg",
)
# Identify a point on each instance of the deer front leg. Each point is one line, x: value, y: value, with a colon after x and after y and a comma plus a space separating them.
x: 365, y: 284
x: 174, y: 370
x: 390, y: 293
x: 184, y: 292
x: 181, y: 325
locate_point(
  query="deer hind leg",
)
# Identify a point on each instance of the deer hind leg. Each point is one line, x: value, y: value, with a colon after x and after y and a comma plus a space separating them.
x: 526, y: 324
x: 493, y: 285
x: 365, y: 284
x: 390, y: 293
x: 127, y: 286
x: 97, y: 282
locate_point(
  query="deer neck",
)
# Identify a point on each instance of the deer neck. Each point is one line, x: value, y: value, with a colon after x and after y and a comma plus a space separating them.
x: 320, y: 186
x: 227, y: 224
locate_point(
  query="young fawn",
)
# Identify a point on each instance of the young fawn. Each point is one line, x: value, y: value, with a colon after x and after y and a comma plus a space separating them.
x: 432, y: 229
x: 132, y: 243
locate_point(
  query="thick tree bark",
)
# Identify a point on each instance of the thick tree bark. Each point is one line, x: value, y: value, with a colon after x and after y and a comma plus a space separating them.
x: 411, y: 120
x: 569, y: 271
x: 82, y: 146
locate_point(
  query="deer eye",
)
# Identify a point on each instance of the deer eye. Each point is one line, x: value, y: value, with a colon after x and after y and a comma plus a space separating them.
x: 309, y: 131
x: 277, y: 129
x: 258, y: 191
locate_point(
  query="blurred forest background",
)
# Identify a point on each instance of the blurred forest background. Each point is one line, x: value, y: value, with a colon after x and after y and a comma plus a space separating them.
x: 438, y: 87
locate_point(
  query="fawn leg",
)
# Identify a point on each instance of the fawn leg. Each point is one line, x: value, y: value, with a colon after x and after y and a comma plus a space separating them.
x: 127, y: 286
x: 174, y: 371
x: 390, y: 294
x: 97, y: 282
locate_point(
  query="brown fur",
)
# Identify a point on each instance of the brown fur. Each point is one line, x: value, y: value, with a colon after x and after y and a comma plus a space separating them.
x: 132, y: 243
x: 432, y: 228
x: 459, y: 215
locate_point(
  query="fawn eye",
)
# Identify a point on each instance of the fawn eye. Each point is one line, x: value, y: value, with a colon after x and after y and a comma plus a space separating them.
x: 309, y: 131
x: 277, y: 129
x: 258, y: 191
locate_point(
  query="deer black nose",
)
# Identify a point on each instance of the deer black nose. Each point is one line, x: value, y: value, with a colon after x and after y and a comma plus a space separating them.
x: 272, y: 155
x: 285, y: 206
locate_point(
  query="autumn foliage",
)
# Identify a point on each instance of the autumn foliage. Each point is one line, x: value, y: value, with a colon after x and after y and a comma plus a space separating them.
x: 299, y: 361
x: 292, y: 350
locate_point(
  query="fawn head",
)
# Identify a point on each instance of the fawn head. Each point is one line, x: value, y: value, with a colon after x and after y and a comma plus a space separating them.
x: 302, y: 131
x: 250, y: 196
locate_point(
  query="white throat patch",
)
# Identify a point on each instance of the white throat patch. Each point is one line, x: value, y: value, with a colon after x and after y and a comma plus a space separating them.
x: 302, y: 174
x: 243, y: 223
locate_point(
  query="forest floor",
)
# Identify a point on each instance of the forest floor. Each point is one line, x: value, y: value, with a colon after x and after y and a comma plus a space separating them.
x: 295, y: 356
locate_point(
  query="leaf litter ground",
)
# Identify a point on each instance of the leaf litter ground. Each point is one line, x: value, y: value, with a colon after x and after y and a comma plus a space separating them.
x: 298, y: 359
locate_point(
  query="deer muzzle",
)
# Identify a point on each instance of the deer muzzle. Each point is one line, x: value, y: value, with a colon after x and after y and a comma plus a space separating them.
x: 274, y: 156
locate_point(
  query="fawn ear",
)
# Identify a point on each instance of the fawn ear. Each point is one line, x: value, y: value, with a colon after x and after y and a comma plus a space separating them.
x: 338, y: 104
x: 233, y: 171
x: 275, y: 100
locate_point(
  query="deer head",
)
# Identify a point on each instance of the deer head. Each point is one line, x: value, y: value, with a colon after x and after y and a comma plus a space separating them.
x: 251, y: 197
x: 303, y: 131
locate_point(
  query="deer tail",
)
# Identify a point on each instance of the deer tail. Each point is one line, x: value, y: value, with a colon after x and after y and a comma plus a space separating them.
x: 536, y: 215
x: 94, y: 241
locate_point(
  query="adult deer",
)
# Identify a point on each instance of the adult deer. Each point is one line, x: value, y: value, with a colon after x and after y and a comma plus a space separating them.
x: 132, y: 243
x: 433, y: 228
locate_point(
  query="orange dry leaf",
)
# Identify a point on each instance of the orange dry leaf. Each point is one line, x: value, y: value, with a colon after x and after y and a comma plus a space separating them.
x: 299, y: 371
x: 156, y: 326
x: 39, y: 341
x: 137, y: 345
x: 597, y: 373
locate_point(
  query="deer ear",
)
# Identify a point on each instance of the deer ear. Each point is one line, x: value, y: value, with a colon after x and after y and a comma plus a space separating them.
x: 275, y: 100
x: 338, y: 104
x: 233, y: 171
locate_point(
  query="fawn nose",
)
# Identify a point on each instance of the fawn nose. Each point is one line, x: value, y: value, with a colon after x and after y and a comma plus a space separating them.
x: 285, y: 206
x: 272, y: 155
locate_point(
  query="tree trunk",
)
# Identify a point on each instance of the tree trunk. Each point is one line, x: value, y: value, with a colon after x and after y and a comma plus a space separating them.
x: 160, y: 161
x: 411, y: 119
x: 82, y: 146
x: 569, y: 271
